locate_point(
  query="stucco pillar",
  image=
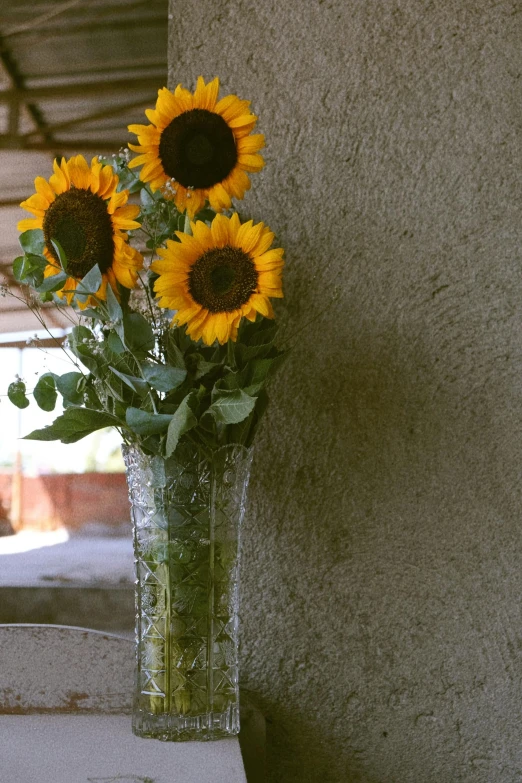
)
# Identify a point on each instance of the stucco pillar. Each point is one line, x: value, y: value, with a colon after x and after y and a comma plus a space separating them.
x: 382, y: 574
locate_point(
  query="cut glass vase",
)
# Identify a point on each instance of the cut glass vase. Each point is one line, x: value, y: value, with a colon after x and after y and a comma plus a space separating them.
x: 187, y: 512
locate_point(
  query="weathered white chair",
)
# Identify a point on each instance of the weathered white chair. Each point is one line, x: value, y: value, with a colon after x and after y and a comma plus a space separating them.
x: 65, y: 702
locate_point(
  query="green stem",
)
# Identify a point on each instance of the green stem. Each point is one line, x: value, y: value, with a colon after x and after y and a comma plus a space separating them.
x: 211, y: 594
x: 168, y: 629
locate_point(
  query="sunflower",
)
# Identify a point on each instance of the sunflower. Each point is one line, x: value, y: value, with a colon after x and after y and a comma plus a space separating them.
x: 218, y: 275
x: 80, y: 208
x: 197, y: 147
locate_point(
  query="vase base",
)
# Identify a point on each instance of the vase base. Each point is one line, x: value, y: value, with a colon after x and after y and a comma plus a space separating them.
x: 183, y: 728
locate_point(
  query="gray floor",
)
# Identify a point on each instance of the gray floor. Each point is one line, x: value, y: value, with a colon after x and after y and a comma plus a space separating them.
x: 83, y: 581
x: 94, y: 560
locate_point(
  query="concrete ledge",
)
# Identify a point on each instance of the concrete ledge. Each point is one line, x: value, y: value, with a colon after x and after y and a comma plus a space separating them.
x: 103, y: 608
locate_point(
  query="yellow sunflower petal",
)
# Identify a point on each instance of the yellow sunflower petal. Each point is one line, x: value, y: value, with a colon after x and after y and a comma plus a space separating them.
x: 231, y: 107
x: 251, y: 162
x: 249, y: 144
x: 125, y: 275
x: 196, y: 201
x: 219, y: 198
x: 262, y: 305
x: 237, y: 183
x: 44, y: 189
x: 79, y: 172
x: 220, y: 231
x: 222, y: 328
x: 269, y: 284
x: 117, y: 200
x: 29, y: 223
x: 270, y: 260
x: 202, y: 233
x: 59, y: 180
x: 233, y: 228
x: 264, y: 242
x: 248, y: 235
x: 36, y: 204
x: 108, y: 182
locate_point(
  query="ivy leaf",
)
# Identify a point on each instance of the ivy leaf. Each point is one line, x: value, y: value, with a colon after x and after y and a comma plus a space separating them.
x: 74, y: 424
x: 32, y: 241
x: 162, y: 377
x: 145, y: 423
x: 16, y: 394
x: 45, y: 392
x: 182, y: 421
x: 231, y: 406
x: 89, y: 285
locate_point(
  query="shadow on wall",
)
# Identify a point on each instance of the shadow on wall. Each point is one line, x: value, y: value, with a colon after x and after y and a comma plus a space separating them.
x: 382, y: 448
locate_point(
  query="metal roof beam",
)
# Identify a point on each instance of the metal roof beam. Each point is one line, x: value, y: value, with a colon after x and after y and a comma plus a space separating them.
x: 101, y: 115
x: 78, y: 90
x: 90, y: 26
x: 58, y: 145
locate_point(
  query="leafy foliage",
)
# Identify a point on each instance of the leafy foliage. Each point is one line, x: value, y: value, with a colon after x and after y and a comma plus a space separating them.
x: 152, y: 382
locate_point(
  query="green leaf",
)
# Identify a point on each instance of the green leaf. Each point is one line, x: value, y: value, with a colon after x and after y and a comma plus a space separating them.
x: 89, y: 285
x: 145, y: 423
x: 203, y: 367
x: 146, y: 198
x: 174, y: 354
x: 231, y: 406
x: 45, y: 392
x: 71, y: 386
x: 232, y: 380
x: 74, y: 424
x: 245, y: 354
x: 139, y: 337
x: 115, y: 344
x: 29, y: 269
x: 182, y: 421
x: 53, y: 282
x: 162, y: 377
x: 32, y: 241
x: 137, y: 385
x: 60, y: 252
x: 16, y: 394
x: 115, y: 313
x: 82, y: 351
x: 238, y: 433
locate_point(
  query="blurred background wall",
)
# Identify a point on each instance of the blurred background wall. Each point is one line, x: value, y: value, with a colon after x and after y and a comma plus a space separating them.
x: 382, y: 550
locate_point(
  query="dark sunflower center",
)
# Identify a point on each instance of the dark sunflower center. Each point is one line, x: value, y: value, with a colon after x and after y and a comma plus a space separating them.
x: 79, y: 220
x: 198, y: 149
x: 223, y: 279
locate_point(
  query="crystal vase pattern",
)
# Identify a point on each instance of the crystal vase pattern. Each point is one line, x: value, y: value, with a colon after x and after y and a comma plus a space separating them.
x: 187, y: 513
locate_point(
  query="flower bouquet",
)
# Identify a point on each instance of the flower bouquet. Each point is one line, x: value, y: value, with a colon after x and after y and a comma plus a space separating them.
x: 172, y: 339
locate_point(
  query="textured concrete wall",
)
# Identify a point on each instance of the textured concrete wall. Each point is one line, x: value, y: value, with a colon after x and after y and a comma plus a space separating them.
x: 382, y: 577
